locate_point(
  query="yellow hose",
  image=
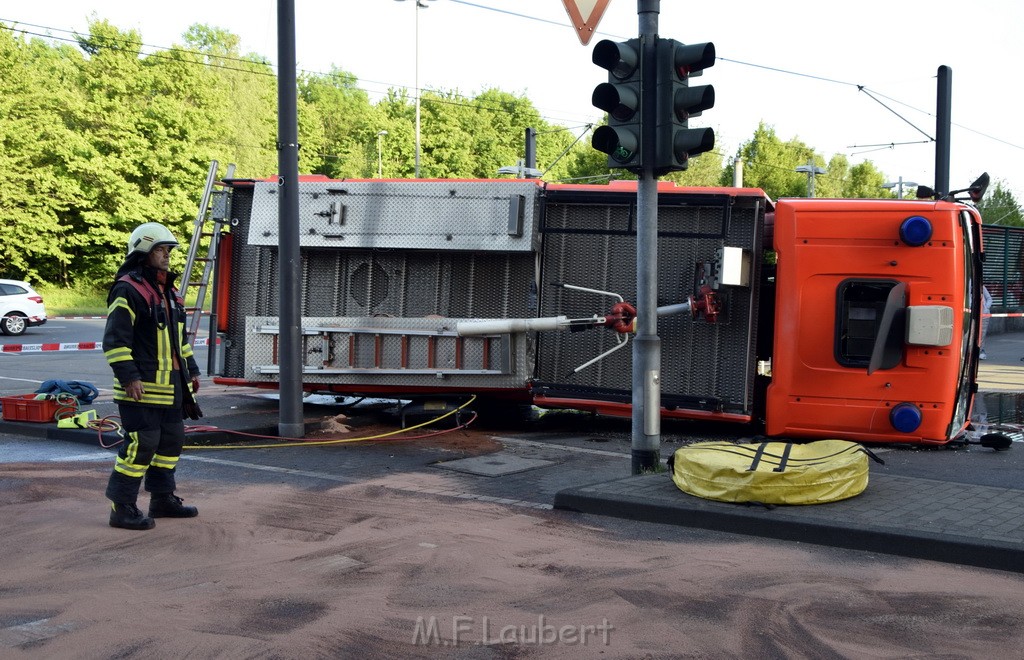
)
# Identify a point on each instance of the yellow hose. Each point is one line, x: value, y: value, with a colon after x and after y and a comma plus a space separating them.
x: 300, y: 442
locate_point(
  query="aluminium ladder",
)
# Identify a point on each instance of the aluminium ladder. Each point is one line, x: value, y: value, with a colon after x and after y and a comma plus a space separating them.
x: 218, y: 216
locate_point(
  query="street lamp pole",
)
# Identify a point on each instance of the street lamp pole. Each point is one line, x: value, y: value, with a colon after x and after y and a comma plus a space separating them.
x: 417, y: 84
x: 811, y: 169
x: 380, y: 157
x: 898, y: 185
x: 420, y: 4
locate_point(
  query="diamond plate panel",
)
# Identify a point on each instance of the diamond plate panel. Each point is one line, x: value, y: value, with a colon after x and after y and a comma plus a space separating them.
x: 448, y: 215
x: 345, y: 280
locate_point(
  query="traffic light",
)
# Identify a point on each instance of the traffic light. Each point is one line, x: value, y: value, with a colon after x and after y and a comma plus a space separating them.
x: 675, y: 142
x: 620, y: 98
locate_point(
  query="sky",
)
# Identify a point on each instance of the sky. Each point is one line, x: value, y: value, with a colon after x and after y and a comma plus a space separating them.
x: 795, y: 66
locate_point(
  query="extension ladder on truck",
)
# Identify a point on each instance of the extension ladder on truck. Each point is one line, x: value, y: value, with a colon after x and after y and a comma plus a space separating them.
x: 359, y: 349
x: 212, y: 208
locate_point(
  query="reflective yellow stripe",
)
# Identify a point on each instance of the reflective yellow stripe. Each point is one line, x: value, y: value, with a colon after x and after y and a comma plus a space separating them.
x: 155, y: 393
x: 122, y: 354
x: 129, y: 469
x: 150, y: 387
x: 157, y: 400
x: 186, y: 348
x: 133, y: 446
x: 120, y: 303
x: 167, y: 462
x: 163, y: 353
x: 127, y: 465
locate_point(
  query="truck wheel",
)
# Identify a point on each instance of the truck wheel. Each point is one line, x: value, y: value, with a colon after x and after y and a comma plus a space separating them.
x: 13, y: 324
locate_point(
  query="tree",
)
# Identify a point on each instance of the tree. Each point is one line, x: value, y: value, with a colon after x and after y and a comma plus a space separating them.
x: 148, y: 131
x: 1000, y: 207
x: 566, y: 155
x: 463, y: 137
x: 98, y: 137
x: 862, y: 180
x: 703, y: 170
x: 588, y: 163
x: 35, y: 146
x: 770, y: 164
x: 244, y: 97
x: 341, y: 115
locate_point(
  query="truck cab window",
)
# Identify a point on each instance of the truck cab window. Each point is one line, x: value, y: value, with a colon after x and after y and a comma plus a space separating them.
x: 859, y: 307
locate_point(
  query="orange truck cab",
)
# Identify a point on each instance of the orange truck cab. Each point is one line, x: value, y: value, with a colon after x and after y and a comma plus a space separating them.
x: 877, y: 316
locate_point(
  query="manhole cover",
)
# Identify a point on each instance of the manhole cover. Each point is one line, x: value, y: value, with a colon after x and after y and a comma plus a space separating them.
x: 494, y: 465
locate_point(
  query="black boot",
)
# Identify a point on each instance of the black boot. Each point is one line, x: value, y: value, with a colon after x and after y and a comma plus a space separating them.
x: 128, y: 516
x: 169, y: 506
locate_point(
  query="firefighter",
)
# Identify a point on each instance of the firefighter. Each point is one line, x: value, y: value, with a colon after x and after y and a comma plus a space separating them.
x: 155, y: 377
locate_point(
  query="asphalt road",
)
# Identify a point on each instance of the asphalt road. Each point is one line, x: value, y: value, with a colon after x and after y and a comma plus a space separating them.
x: 23, y: 372
x: 480, y: 501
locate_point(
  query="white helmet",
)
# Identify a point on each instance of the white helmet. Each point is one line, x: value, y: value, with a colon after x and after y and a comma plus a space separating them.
x: 148, y: 235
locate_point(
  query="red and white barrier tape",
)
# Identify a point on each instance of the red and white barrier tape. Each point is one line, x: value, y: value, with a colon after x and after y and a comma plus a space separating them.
x: 36, y: 348
x: 79, y: 346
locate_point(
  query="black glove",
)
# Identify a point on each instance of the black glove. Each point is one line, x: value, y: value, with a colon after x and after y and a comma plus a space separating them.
x: 191, y: 410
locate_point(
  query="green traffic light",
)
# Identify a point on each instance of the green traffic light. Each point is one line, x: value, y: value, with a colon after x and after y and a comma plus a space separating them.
x: 622, y: 155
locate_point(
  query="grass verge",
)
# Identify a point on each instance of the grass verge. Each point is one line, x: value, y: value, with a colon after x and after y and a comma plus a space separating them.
x: 86, y: 301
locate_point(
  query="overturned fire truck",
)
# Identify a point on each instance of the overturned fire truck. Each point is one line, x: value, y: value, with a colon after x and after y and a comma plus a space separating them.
x: 811, y: 318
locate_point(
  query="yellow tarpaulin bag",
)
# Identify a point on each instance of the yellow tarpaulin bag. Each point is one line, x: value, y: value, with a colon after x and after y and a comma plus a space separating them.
x: 772, y: 472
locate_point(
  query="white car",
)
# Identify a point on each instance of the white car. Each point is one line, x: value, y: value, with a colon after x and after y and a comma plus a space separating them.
x: 20, y: 307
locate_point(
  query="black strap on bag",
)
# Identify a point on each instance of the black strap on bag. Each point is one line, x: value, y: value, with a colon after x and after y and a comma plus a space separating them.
x: 757, y: 456
x: 785, y: 458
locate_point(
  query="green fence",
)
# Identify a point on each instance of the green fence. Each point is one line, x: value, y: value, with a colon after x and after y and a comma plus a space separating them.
x: 1004, y: 261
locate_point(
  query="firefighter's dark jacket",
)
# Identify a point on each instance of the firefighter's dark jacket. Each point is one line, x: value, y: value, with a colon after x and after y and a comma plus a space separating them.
x: 140, y: 337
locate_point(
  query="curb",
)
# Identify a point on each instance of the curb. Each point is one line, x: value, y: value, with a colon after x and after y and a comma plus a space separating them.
x: 655, y: 498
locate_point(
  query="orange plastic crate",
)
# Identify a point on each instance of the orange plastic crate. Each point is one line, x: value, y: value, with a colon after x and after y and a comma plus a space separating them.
x: 26, y: 408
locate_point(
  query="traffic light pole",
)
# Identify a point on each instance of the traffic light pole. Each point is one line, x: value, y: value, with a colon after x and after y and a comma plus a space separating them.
x: 290, y: 423
x: 942, y: 128
x: 646, y: 420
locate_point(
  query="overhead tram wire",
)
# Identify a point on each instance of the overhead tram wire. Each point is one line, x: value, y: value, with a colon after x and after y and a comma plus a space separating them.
x: 966, y: 128
x: 868, y: 148
x: 139, y: 51
x: 122, y: 41
x: 136, y: 47
x: 910, y: 123
x: 860, y: 88
x: 787, y: 72
x: 871, y: 93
